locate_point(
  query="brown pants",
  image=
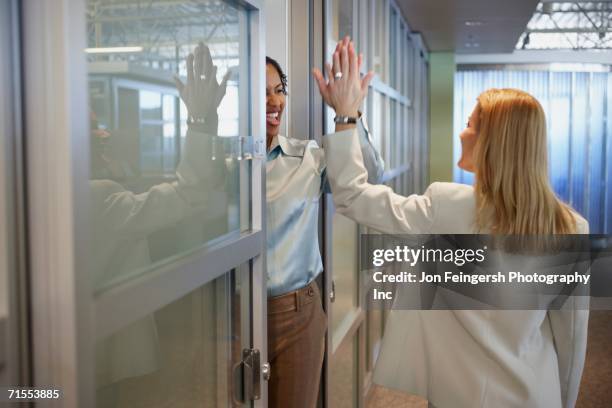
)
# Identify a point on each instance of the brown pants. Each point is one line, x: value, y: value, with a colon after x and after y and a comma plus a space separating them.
x: 296, y: 343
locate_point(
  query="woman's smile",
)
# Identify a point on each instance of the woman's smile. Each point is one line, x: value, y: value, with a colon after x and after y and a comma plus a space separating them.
x: 273, y: 117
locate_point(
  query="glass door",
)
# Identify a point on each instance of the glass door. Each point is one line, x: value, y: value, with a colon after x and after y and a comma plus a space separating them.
x: 396, y: 109
x: 346, y: 316
x: 153, y: 185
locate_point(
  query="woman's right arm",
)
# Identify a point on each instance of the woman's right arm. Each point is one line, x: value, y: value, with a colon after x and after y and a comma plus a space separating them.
x: 376, y: 206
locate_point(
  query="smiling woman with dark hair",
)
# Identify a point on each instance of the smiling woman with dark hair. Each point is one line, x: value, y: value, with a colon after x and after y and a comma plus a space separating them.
x: 296, y: 178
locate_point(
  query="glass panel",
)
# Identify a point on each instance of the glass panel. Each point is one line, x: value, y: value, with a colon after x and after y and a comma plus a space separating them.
x: 183, y: 355
x: 377, y: 122
x: 559, y: 137
x: 150, y: 105
x: 345, y: 268
x: 411, y: 67
x: 388, y: 149
x: 393, y: 134
x: 380, y: 126
x: 596, y: 152
x: 374, y: 327
x: 344, y: 380
x: 379, y: 22
x: 393, y: 49
x: 579, y: 142
x: 342, y: 18
x: 408, y: 126
x: 405, y: 71
x: 158, y: 189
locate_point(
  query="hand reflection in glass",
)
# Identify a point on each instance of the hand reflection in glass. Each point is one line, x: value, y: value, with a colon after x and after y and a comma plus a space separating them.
x: 202, y: 94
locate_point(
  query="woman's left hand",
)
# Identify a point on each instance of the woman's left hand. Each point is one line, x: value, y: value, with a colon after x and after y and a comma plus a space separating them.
x: 344, y: 89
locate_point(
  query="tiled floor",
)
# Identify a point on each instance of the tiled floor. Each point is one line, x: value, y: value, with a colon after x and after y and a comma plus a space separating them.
x: 380, y: 397
x: 595, y: 389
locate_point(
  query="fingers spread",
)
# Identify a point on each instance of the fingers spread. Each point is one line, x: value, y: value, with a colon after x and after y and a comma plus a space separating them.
x: 226, y: 77
x: 179, y: 84
x: 346, y: 40
x: 365, y: 82
x: 207, y: 60
x: 320, y: 81
x: 337, y: 66
x: 353, y: 63
x: 330, y: 73
x: 211, y: 77
x: 199, y: 64
x: 345, y: 62
x: 190, y: 71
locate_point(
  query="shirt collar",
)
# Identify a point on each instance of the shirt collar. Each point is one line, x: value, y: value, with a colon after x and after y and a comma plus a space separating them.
x: 288, y: 146
x: 274, y: 150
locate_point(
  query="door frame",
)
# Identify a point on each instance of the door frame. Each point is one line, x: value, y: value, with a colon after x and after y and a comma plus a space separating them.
x: 14, y: 335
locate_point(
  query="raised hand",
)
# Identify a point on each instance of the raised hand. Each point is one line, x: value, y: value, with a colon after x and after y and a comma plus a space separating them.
x: 202, y: 93
x: 344, y: 89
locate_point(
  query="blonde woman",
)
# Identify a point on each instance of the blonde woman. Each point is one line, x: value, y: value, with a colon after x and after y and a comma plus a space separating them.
x: 471, y: 358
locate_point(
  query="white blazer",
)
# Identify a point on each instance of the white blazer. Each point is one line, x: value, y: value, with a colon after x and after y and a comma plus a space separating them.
x: 459, y: 358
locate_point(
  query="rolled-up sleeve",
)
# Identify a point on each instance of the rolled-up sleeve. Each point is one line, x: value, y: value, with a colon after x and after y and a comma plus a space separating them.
x: 375, y: 206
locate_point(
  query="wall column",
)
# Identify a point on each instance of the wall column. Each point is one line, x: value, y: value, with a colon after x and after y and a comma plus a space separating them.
x: 441, y: 91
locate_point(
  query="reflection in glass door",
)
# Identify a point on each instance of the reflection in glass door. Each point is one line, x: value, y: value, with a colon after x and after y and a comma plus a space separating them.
x: 156, y: 273
x: 170, y: 160
x: 186, y: 354
x: 166, y: 141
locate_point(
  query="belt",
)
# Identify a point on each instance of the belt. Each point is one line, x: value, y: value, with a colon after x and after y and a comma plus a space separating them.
x: 293, y: 301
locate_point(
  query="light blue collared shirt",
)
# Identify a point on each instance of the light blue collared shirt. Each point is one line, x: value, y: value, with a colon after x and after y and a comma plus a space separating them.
x: 295, y: 181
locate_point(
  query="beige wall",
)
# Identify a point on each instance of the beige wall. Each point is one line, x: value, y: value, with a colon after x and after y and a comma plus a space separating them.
x: 277, y: 45
x: 441, y: 85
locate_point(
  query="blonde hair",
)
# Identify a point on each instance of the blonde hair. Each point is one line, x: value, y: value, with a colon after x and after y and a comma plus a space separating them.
x: 513, y: 194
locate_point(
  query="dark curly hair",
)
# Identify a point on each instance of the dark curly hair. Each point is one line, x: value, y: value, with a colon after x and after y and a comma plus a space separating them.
x: 281, y: 74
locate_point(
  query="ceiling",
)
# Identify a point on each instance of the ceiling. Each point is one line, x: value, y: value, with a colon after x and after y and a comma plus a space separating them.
x: 575, y: 26
x: 469, y: 26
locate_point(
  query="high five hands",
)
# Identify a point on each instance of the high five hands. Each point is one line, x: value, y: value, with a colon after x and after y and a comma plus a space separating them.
x: 344, y: 89
x: 202, y: 93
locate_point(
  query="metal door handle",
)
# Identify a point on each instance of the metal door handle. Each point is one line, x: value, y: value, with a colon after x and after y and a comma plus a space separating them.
x: 266, y: 371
